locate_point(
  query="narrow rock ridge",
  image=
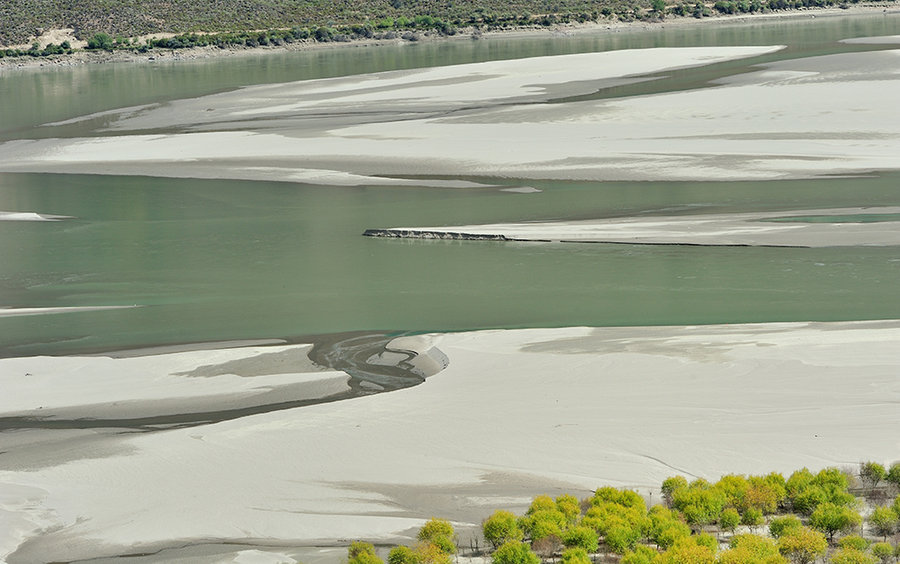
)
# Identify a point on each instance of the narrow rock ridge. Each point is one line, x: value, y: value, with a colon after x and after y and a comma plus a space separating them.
x: 418, y: 234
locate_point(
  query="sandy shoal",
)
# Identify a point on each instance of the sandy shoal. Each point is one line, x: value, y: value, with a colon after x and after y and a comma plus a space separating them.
x: 29, y: 216
x: 754, y: 229
x: 515, y: 413
x: 133, y: 387
x: 797, y: 118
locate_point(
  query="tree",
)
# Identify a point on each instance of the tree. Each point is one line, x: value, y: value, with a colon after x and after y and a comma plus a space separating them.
x: 440, y: 533
x: 752, y: 517
x: 642, y: 554
x: 851, y: 556
x: 515, y: 552
x: 700, y: 503
x: 659, y: 6
x: 541, y: 503
x: 625, y: 498
x: 871, y: 473
x: 780, y: 526
x: 735, y: 488
x: 100, y: 41
x: 688, y: 551
x: 622, y: 537
x: 893, y: 474
x: 581, y: 537
x: 402, y: 555
x: 729, y: 520
x: 569, y: 506
x: 362, y: 553
x: 543, y: 523
x: 430, y: 553
x: 830, y: 519
x: 854, y: 541
x: 883, y: 551
x: 751, y: 549
x: 500, y: 528
x: 670, y: 485
x: 575, y: 556
x: 665, y: 528
x: 802, y: 545
x: 765, y: 494
x: 884, y: 520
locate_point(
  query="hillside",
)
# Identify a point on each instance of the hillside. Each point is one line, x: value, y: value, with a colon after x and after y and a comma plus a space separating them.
x: 21, y: 19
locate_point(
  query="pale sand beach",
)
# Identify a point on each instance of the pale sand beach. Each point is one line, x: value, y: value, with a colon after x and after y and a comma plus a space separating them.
x: 516, y: 413
x: 790, y: 119
x: 778, y: 229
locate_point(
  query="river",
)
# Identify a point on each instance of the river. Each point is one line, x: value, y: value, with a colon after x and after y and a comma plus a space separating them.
x: 208, y: 260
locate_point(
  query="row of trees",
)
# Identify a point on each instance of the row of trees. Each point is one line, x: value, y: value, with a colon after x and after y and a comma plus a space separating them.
x: 65, y: 48
x: 766, y: 519
x: 386, y: 28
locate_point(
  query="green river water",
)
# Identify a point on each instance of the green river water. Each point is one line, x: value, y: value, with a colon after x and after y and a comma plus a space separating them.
x: 215, y: 260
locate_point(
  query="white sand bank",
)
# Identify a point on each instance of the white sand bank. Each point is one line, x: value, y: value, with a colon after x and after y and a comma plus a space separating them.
x: 701, y: 229
x: 162, y: 384
x: 798, y: 118
x: 18, y: 311
x: 515, y: 409
x: 29, y: 216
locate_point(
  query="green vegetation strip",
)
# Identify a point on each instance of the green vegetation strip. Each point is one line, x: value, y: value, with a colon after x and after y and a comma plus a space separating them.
x: 114, y: 24
x: 808, y: 517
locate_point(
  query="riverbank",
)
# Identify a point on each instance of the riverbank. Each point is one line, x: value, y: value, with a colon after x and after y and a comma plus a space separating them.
x: 516, y: 412
x: 611, y: 25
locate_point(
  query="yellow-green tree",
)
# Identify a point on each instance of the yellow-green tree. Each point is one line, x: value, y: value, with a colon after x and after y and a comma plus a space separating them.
x: 515, y: 552
x: 729, y: 519
x: 688, y: 551
x: 440, y: 533
x: 779, y: 526
x: 883, y: 551
x: 642, y: 554
x: 582, y: 537
x: 500, y: 528
x: 884, y: 520
x: 831, y: 519
x: 751, y: 549
x: 362, y: 553
x: 802, y: 545
x: 851, y: 556
x: 402, y: 555
x: 575, y: 556
x: 569, y: 506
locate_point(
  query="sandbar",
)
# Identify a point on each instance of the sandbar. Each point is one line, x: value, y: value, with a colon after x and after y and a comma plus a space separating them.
x: 773, y: 229
x: 522, y: 119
